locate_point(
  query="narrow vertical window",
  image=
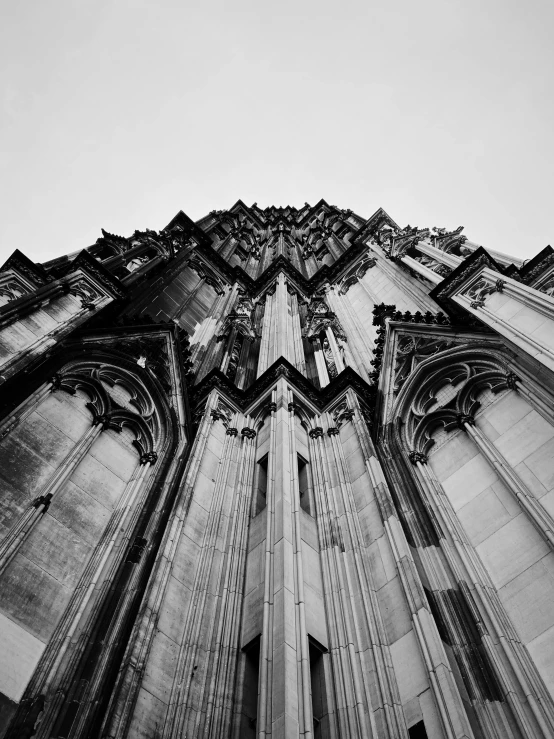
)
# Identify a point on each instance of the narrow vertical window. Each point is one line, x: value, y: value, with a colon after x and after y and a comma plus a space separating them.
x: 304, y: 485
x: 260, y: 486
x: 249, y: 675
x: 320, y: 709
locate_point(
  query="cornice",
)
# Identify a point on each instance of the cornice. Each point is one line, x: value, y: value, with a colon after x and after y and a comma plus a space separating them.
x: 96, y: 270
x: 477, y: 260
x: 33, y: 272
x: 254, y: 286
x: 320, y: 398
x: 189, y: 226
x: 282, y: 264
x: 536, y: 266
x: 374, y: 222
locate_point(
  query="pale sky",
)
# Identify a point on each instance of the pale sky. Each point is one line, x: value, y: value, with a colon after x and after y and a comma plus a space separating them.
x: 119, y: 114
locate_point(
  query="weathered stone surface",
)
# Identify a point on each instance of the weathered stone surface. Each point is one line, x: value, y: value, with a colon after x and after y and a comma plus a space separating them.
x: 350, y: 533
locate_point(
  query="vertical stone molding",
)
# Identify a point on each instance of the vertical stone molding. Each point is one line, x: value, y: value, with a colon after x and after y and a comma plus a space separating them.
x: 284, y: 706
x: 530, y: 325
x: 447, y: 696
x: 536, y: 513
x: 521, y: 684
x: 278, y: 473
x: 24, y: 526
x: 120, y: 710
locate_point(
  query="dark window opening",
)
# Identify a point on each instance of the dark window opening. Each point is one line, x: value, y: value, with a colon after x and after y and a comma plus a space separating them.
x: 234, y: 359
x: 250, y: 669
x: 417, y: 731
x: 329, y: 358
x: 304, y: 485
x: 260, y: 486
x: 320, y: 710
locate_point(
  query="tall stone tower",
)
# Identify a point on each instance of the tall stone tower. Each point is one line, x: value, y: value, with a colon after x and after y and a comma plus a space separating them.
x: 279, y: 473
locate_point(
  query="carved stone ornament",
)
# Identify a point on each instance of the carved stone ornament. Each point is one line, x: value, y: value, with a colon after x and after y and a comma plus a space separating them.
x: 316, y: 433
x: 222, y: 413
x: 332, y: 431
x: 103, y: 420
x: 248, y: 433
x: 511, y: 380
x: 231, y: 431
x: 416, y: 457
x: 411, y: 351
x: 465, y: 419
x: 341, y: 414
x: 42, y: 500
x: 149, y: 457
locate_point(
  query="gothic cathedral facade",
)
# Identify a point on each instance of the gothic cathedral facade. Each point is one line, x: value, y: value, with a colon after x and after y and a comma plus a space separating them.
x: 277, y: 473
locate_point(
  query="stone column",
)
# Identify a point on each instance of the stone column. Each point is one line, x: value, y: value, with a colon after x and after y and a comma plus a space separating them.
x: 298, y: 348
x: 422, y: 270
x: 267, y: 327
x: 282, y: 323
x: 303, y: 652
x: 340, y: 304
x: 219, y: 691
x: 284, y: 704
x: 342, y: 585
x: 193, y: 665
x: 538, y: 516
x: 450, y: 260
x: 466, y: 565
x: 124, y: 698
x: 202, y: 337
x: 443, y: 685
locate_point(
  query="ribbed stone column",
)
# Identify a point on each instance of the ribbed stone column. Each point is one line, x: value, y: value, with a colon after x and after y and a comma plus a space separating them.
x: 297, y: 347
x: 267, y: 326
x: 466, y: 564
x: 282, y: 328
x: 279, y: 338
x: 454, y: 720
x: 359, y: 340
x: 532, y: 508
x: 284, y: 707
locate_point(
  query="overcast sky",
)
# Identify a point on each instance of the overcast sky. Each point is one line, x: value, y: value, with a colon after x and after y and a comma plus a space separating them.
x: 119, y: 114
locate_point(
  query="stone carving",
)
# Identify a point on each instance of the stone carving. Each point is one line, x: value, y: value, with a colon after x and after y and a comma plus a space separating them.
x: 316, y: 432
x: 223, y: 413
x: 341, y: 414
x: 416, y: 457
x: 511, y: 381
x: 411, y: 351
